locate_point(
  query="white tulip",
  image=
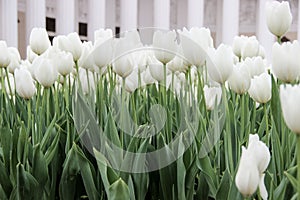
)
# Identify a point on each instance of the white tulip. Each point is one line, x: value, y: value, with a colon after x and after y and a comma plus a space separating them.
x: 39, y: 41
x: 238, y: 43
x: 4, y: 55
x: 102, y: 35
x: 177, y: 64
x: 31, y: 56
x: 261, y: 152
x: 123, y: 66
x: 220, y: 63
x: 279, y: 17
x: 285, y: 63
x: 262, y: 188
x: 64, y: 63
x: 9, y: 84
x: 70, y: 43
x: 250, y: 48
x: 24, y: 83
x: 86, y: 59
x: 15, y: 59
x: 261, y: 88
x: 239, y: 81
x: 102, y: 53
x: 247, y: 177
x: 147, y: 77
x: 195, y: 43
x: 255, y: 65
x: 45, y: 72
x: 212, y: 96
x: 165, y: 46
x: 86, y: 80
x: 290, y: 98
x: 157, y: 71
x: 132, y: 81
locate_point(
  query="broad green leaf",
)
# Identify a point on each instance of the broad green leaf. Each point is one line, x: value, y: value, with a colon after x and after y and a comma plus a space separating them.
x: 119, y: 190
x: 224, y: 187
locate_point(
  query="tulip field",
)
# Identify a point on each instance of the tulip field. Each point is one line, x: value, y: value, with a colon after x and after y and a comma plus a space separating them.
x: 117, y: 118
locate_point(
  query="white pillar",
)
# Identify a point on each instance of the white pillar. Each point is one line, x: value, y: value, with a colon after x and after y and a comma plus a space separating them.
x: 161, y: 14
x: 230, y: 21
x: 35, y: 15
x: 96, y: 17
x: 66, y: 19
x: 264, y: 36
x: 195, y: 13
x: 298, y: 28
x: 9, y: 22
x: 128, y: 17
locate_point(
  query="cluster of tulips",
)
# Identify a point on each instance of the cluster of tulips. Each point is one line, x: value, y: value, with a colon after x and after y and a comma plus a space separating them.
x: 258, y: 96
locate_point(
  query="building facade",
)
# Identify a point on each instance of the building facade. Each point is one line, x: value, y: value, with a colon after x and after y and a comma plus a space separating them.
x: 225, y: 18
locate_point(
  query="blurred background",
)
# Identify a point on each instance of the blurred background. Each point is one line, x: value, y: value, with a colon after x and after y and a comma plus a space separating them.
x: 225, y: 18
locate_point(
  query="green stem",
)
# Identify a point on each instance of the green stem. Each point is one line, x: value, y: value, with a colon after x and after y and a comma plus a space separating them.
x: 34, y: 140
x: 266, y: 121
x: 298, y: 166
x: 227, y: 138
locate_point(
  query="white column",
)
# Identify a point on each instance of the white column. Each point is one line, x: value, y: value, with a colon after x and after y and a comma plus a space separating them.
x: 35, y: 15
x: 195, y: 13
x: 66, y: 19
x: 264, y: 36
x: 230, y: 21
x: 161, y: 14
x: 96, y: 17
x: 298, y: 28
x: 128, y: 17
x: 9, y: 22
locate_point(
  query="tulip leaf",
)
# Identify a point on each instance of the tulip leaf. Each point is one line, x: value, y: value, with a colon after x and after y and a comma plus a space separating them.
x: 119, y: 190
x: 67, y: 185
x: 204, y: 165
x: 87, y: 174
x: 275, y: 106
x: 224, y: 187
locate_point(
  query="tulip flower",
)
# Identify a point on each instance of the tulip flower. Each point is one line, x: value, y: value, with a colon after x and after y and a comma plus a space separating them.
x: 289, y: 98
x: 15, y: 59
x: 147, y: 77
x: 86, y: 80
x: 45, y: 72
x: 255, y: 65
x: 279, y: 17
x: 9, y: 83
x: 250, y: 48
x: 285, y: 63
x: 260, y: 88
x: 24, y: 83
x: 254, y: 161
x: 239, y: 81
x: 39, y: 41
x: 247, y: 177
x: 86, y: 59
x: 102, y: 35
x: 70, y: 43
x: 103, y: 53
x: 157, y: 70
x: 64, y: 62
x: 165, y: 46
x: 261, y: 152
x: 177, y: 65
x: 123, y: 66
x: 212, y: 96
x: 4, y: 55
x: 220, y: 63
x: 195, y: 43
x: 238, y: 43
